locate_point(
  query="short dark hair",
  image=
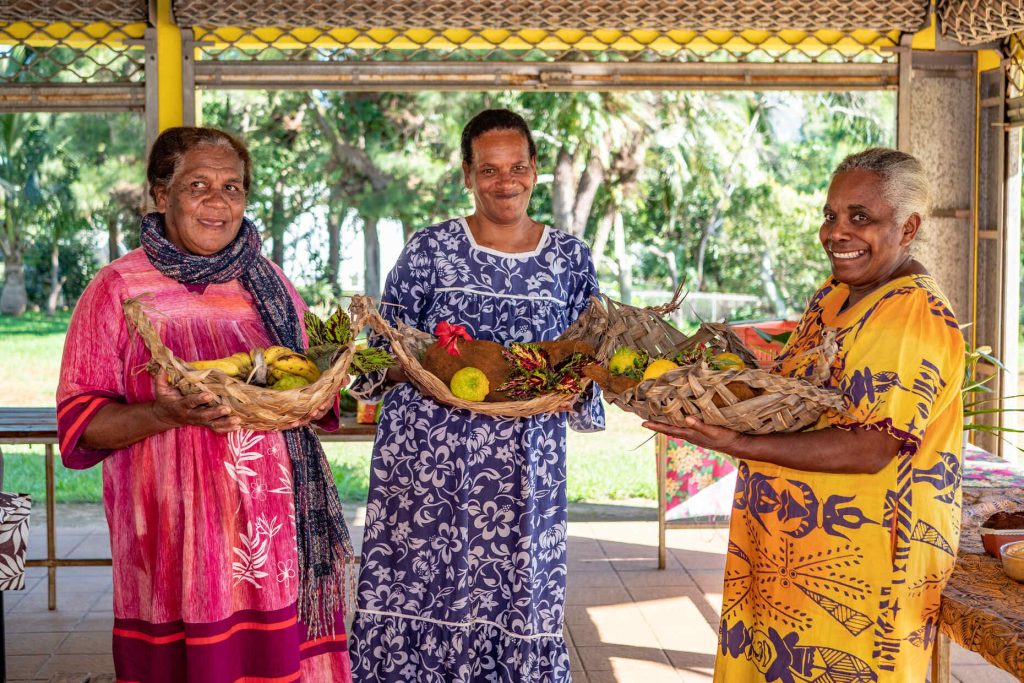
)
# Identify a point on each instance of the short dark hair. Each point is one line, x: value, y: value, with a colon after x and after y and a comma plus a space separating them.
x: 494, y: 119
x: 174, y: 143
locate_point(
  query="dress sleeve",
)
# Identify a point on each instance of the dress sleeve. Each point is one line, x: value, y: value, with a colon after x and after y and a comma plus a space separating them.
x: 902, y: 363
x: 587, y: 414
x: 407, y: 293
x: 92, y: 369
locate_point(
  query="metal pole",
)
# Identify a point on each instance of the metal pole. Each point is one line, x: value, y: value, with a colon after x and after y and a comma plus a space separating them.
x: 661, y: 456
x: 903, y: 101
x: 51, y: 530
x: 188, y: 77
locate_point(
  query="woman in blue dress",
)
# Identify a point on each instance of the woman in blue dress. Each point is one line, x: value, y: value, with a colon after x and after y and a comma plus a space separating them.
x: 464, y: 550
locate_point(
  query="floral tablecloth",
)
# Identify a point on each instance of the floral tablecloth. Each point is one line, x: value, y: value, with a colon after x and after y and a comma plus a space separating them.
x: 982, y: 608
x: 699, y: 482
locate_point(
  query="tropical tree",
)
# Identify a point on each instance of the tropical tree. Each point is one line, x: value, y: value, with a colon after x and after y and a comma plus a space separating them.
x: 24, y: 147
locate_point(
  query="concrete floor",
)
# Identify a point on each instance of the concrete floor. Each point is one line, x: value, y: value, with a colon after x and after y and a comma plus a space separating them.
x: 626, y: 621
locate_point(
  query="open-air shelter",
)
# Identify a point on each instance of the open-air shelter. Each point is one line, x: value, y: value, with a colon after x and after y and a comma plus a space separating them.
x: 957, y: 67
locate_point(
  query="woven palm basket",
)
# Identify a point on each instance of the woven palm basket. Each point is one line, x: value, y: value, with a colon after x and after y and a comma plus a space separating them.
x: 259, y: 408
x: 408, y: 345
x: 784, y: 404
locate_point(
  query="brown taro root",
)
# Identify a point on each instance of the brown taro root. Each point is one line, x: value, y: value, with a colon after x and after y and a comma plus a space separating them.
x: 1005, y: 520
x: 740, y: 390
x: 560, y: 350
x: 615, y: 384
x: 478, y: 353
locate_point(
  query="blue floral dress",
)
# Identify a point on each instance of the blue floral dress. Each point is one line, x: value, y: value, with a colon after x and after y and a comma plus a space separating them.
x: 464, y: 549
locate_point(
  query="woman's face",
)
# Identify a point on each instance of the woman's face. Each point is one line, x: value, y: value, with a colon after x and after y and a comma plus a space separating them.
x: 501, y: 176
x: 205, y: 200
x: 859, y: 231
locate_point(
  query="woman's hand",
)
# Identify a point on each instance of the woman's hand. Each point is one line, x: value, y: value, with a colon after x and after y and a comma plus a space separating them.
x: 118, y: 425
x: 320, y: 411
x: 854, y: 450
x: 700, y: 434
x: 172, y: 408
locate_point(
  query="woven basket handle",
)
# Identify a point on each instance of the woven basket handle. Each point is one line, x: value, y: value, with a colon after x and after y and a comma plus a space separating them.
x: 675, y: 302
x: 827, y: 353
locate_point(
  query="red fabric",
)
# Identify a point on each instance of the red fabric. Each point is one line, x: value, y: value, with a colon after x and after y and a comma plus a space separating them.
x: 764, y: 350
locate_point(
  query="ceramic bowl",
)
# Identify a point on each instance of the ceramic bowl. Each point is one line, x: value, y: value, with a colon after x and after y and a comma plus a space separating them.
x: 993, y: 539
x: 1013, y: 560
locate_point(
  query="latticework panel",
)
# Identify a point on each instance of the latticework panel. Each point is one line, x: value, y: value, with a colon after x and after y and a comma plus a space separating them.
x: 971, y: 22
x: 1013, y: 48
x: 564, y: 45
x: 71, y: 52
x: 551, y: 15
x: 123, y: 11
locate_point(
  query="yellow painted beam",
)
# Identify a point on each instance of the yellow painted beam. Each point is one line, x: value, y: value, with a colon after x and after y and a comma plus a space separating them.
x: 989, y: 60
x: 78, y: 35
x: 925, y: 38
x: 169, y: 52
x: 812, y: 43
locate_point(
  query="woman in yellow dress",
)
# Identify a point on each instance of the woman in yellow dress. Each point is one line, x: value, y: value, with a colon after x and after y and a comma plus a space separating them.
x: 843, y: 537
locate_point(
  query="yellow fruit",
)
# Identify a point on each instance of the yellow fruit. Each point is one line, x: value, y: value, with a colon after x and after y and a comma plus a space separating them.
x: 659, y: 368
x: 272, y: 353
x: 289, y: 382
x: 727, y: 361
x: 622, y: 360
x: 226, y: 365
x: 470, y: 384
x: 294, y: 364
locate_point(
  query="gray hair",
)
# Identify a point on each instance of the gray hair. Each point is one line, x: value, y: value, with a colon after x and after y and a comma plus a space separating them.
x: 904, y: 181
x: 174, y: 143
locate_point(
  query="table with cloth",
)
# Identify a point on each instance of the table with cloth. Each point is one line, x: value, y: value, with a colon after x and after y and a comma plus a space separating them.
x: 982, y: 608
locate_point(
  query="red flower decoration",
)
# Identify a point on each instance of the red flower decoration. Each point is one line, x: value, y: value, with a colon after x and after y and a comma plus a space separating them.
x: 448, y: 336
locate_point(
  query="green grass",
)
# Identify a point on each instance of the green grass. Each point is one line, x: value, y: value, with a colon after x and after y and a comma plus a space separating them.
x: 30, y: 352
x: 616, y: 464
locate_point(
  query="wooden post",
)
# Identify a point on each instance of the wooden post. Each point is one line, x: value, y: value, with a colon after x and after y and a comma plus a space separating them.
x: 940, y: 659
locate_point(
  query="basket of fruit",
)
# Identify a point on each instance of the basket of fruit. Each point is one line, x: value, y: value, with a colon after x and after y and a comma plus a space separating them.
x: 652, y: 369
x: 520, y: 380
x: 269, y: 388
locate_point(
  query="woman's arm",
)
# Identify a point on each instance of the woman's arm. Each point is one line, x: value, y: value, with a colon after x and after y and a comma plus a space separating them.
x: 118, y: 425
x: 840, y: 451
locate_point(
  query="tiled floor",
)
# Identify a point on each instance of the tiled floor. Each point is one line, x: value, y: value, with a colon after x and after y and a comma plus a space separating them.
x: 625, y: 620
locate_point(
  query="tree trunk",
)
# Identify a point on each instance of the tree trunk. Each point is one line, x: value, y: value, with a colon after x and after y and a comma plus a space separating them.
x: 56, y: 281
x: 14, y: 297
x: 670, y: 263
x: 624, y: 260
x: 276, y: 227
x: 590, y: 181
x: 334, y: 217
x: 563, y: 191
x: 604, y: 229
x: 371, y: 258
x: 771, y: 288
x: 113, y: 250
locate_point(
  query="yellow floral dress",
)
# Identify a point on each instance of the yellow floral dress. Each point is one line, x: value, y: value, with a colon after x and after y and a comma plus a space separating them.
x: 836, y: 577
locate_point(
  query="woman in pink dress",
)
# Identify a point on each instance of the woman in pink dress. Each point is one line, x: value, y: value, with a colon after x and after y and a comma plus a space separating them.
x: 229, y: 546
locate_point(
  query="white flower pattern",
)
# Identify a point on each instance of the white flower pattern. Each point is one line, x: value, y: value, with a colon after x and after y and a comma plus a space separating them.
x: 463, y: 566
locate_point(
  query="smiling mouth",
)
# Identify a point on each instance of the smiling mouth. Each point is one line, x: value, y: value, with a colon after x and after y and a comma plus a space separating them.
x: 848, y: 255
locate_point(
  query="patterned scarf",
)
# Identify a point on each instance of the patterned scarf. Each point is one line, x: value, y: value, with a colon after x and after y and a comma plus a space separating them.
x: 325, y: 550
